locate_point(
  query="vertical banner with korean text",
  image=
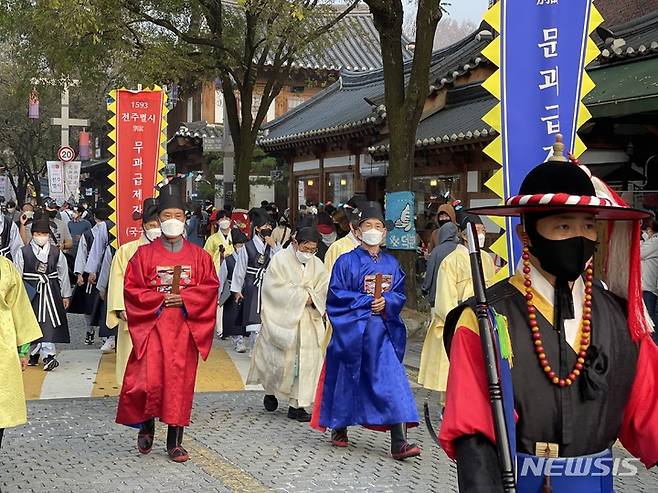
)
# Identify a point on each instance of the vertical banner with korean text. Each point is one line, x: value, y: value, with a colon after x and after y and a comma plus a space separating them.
x: 63, y: 180
x: 55, y: 180
x: 139, y: 139
x: 400, y: 220
x: 542, y: 51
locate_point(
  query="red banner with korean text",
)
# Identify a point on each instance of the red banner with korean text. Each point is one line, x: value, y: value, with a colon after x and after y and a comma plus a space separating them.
x: 139, y: 139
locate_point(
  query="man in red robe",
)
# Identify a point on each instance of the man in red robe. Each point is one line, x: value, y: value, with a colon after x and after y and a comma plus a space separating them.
x: 171, y: 299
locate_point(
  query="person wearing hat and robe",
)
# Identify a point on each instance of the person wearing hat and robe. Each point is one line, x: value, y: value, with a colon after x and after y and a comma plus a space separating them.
x: 18, y: 328
x: 250, y: 267
x: 327, y: 230
x: 116, y: 308
x: 348, y: 242
x: 364, y: 381
x: 229, y: 309
x: 454, y: 285
x: 87, y: 266
x: 60, y: 234
x: 287, y: 356
x: 45, y: 270
x: 102, y: 284
x: 170, y: 298
x: 583, y: 363
x: 10, y: 238
x: 343, y: 245
x: 221, y: 238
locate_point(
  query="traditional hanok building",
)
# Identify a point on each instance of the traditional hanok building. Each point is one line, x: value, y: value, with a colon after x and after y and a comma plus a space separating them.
x: 196, y: 123
x: 336, y: 143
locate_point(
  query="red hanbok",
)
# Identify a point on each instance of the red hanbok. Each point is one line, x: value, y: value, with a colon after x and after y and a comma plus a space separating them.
x: 161, y: 372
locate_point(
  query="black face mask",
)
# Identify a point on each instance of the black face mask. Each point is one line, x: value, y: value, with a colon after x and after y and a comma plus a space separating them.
x: 264, y: 233
x: 443, y: 221
x: 52, y: 214
x: 565, y: 259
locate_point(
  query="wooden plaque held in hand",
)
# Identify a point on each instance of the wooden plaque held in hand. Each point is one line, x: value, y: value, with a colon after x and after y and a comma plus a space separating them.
x: 378, y: 286
x: 175, y: 282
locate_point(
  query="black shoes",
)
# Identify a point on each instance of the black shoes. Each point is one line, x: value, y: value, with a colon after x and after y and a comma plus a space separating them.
x: 50, y: 363
x: 89, y: 338
x: 271, y: 403
x: 339, y: 437
x: 175, y: 448
x: 34, y: 360
x: 144, y: 441
x: 400, y: 448
x: 299, y: 414
x: 405, y: 451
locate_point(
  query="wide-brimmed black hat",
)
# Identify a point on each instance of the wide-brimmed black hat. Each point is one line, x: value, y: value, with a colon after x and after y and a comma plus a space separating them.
x: 259, y: 217
x: 41, y: 225
x: 149, y: 210
x: 238, y: 236
x: 469, y: 219
x: 370, y: 210
x: 556, y: 186
x: 102, y: 212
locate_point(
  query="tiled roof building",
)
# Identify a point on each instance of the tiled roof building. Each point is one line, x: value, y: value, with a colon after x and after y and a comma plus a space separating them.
x: 340, y: 135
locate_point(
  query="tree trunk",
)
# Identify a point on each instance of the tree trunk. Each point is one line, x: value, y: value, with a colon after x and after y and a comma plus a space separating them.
x: 400, y: 179
x: 404, y: 104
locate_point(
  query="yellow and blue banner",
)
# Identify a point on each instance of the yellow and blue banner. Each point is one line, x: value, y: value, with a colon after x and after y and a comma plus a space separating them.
x: 542, y: 51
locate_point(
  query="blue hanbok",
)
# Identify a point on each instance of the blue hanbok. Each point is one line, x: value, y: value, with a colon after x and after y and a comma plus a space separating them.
x: 364, y: 381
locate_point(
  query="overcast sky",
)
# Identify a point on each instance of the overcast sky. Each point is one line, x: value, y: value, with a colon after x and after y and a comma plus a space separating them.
x: 472, y: 10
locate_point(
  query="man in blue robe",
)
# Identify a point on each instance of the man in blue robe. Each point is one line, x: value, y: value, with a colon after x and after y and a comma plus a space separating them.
x: 364, y: 381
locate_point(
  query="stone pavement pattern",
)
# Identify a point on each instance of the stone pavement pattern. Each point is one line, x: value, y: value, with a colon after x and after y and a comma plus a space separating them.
x: 73, y: 445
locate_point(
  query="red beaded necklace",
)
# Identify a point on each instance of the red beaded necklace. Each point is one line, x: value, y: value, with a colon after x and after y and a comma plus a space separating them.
x: 534, y: 325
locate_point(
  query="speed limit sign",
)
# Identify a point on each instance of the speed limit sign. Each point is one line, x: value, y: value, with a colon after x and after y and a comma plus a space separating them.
x: 66, y: 154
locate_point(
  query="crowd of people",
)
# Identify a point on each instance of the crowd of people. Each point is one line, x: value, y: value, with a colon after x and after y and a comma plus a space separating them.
x: 267, y: 288
x: 319, y: 308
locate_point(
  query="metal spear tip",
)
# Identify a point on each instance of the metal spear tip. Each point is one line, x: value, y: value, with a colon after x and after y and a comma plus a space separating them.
x: 471, y: 235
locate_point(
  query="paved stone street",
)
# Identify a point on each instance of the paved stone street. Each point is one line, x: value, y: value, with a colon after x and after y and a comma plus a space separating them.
x: 73, y: 445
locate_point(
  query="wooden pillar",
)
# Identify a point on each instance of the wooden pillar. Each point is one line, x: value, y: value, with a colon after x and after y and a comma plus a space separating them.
x: 359, y: 186
x: 321, y: 179
x: 293, y: 190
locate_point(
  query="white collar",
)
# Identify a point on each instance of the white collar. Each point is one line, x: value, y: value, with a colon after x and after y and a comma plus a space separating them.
x: 41, y: 252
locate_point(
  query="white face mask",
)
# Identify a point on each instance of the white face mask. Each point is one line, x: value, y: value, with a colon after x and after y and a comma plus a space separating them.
x: 153, y: 233
x: 172, y: 228
x: 481, y: 239
x: 372, y: 237
x: 11, y: 210
x: 29, y: 214
x: 224, y: 224
x: 303, y: 257
x: 40, y: 240
x: 330, y: 238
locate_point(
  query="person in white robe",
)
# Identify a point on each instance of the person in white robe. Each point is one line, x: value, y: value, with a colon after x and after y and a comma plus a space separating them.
x: 287, y: 356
